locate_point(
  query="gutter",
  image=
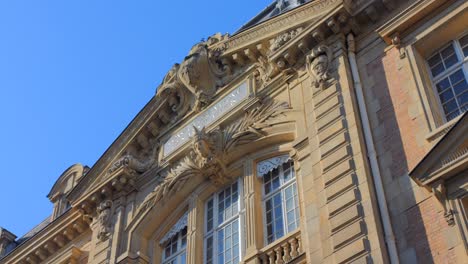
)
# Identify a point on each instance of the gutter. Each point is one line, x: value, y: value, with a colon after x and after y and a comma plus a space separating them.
x: 371, y: 154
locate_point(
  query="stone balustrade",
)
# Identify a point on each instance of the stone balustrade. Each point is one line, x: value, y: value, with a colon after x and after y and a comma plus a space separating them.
x: 285, y: 250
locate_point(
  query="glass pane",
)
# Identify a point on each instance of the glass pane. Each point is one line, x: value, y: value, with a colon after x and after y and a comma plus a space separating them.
x: 452, y: 115
x: 447, y: 52
x: 438, y: 69
x: 434, y: 60
x: 183, y: 258
x: 209, y: 215
x: 464, y: 45
x: 450, y: 61
x: 460, y: 87
x: 446, y: 96
x: 209, y: 250
x: 450, y: 106
x: 456, y: 77
x: 463, y: 101
x: 443, y: 85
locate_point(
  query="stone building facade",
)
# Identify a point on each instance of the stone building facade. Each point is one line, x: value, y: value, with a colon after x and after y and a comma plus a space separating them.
x: 325, y: 131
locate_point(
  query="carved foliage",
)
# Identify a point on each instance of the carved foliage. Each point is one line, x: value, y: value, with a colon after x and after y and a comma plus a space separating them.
x: 283, y: 38
x: 209, y: 156
x: 318, y: 64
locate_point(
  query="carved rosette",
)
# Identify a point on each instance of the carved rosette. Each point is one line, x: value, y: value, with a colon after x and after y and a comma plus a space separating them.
x: 318, y: 64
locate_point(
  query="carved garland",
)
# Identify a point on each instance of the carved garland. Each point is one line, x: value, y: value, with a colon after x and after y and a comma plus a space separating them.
x: 210, y: 150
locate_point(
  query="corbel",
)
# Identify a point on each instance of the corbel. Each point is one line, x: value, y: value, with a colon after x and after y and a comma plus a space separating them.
x: 51, y: 247
x: 303, y: 46
x: 396, y: 42
x: 318, y: 35
x: 372, y: 13
x: 32, y: 259
x: 69, y: 233
x: 142, y: 139
x: 251, y: 54
x: 106, y: 192
x: 262, y: 48
x: 238, y: 58
x: 60, y: 240
x: 389, y: 4
x: 440, y: 193
x: 333, y: 25
x: 154, y: 127
x: 80, y: 227
x: 41, y: 253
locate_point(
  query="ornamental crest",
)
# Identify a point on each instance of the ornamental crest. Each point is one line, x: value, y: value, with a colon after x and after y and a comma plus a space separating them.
x: 209, y: 154
x: 318, y: 64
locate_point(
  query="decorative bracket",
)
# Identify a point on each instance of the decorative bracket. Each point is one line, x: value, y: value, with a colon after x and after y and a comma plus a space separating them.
x: 440, y: 193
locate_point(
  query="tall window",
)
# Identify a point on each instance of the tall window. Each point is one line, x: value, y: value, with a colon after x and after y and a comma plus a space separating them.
x: 281, y: 212
x: 449, y: 72
x: 222, y: 226
x: 174, y: 243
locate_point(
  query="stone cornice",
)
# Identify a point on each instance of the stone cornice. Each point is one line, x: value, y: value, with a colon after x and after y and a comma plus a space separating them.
x: 49, y: 240
x: 278, y: 24
x: 407, y: 18
x: 115, y: 148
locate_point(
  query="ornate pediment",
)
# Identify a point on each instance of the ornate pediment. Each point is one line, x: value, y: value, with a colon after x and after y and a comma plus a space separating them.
x: 448, y: 156
x: 210, y: 151
x: 447, y: 160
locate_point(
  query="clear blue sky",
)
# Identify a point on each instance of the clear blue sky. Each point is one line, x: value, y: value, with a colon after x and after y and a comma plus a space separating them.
x: 74, y: 73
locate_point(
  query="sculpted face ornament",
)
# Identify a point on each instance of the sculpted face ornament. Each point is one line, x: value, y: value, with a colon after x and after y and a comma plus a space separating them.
x: 318, y: 65
x: 104, y: 215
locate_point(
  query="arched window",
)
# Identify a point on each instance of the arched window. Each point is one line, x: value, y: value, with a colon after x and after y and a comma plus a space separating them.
x: 174, y: 243
x: 279, y: 197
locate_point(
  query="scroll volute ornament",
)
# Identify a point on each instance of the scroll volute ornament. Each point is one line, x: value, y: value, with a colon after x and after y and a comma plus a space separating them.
x: 202, y: 74
x: 318, y: 64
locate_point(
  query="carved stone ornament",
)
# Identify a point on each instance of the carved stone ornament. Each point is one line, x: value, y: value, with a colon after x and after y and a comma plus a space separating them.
x: 440, y: 193
x: 318, y: 64
x: 265, y: 166
x: 283, y: 38
x: 209, y: 155
x: 179, y: 226
x: 104, y: 216
x: 265, y: 70
x: 201, y: 73
x: 131, y: 164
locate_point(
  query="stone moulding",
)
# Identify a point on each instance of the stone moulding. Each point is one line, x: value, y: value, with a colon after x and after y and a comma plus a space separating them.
x: 297, y: 16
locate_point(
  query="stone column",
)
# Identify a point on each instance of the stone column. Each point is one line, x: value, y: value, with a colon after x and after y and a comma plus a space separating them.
x: 195, y: 230
x: 253, y: 234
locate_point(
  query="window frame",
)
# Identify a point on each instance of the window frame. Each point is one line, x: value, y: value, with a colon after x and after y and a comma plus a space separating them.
x: 462, y: 64
x: 217, y: 227
x: 281, y: 189
x: 179, y: 252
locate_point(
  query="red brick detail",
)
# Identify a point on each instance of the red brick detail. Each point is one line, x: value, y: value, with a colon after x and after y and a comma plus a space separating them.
x: 425, y: 233
x: 392, y: 83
